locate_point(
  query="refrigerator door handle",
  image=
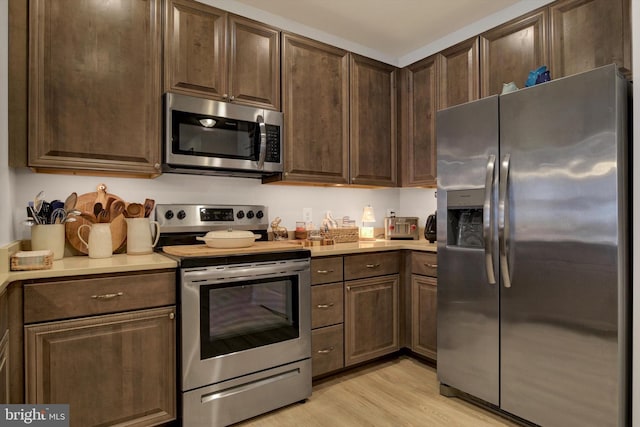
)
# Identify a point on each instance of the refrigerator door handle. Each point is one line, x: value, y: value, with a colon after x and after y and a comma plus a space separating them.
x: 503, y: 222
x: 487, y: 220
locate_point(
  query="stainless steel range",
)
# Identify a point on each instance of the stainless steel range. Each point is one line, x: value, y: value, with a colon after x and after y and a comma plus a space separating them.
x: 245, y: 322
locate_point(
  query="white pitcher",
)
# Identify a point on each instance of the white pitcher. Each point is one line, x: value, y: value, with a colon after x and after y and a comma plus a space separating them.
x: 139, y: 237
x: 99, y: 241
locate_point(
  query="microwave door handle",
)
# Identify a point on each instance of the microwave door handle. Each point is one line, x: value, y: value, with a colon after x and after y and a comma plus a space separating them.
x: 263, y: 141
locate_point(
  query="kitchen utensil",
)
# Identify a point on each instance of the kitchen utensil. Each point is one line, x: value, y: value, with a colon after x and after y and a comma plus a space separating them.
x: 117, y: 208
x: 87, y: 216
x: 104, y: 216
x: 229, y: 239
x: 58, y: 216
x: 139, y: 237
x: 45, y: 212
x: 34, y: 215
x: 135, y: 210
x: 85, y: 204
x: 148, y: 207
x: 99, y: 240
x: 97, y: 208
x: 70, y: 202
x: 37, y: 202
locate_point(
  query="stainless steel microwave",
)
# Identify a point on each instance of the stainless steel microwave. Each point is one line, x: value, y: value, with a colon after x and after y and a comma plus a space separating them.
x: 207, y: 137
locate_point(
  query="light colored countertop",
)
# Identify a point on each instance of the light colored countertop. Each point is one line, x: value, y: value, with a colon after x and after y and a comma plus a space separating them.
x: 373, y: 246
x: 83, y: 265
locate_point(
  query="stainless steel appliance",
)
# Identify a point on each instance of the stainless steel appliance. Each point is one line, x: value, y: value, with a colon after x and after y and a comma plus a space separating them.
x: 245, y: 319
x: 430, y: 228
x: 207, y: 137
x: 401, y: 227
x: 533, y: 299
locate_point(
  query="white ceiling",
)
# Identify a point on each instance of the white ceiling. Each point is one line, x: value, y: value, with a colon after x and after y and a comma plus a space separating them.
x: 392, y: 27
x: 398, y: 32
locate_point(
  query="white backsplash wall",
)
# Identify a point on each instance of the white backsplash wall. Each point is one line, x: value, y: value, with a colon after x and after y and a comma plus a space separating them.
x: 284, y: 201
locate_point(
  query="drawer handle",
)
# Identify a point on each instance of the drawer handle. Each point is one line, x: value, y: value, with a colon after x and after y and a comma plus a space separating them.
x: 107, y: 296
x: 431, y: 265
x: 324, y: 271
x: 326, y: 350
x: 325, y: 305
x: 373, y: 265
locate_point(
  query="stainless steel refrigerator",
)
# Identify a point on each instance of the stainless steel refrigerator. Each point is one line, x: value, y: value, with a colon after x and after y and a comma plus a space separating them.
x: 533, y: 275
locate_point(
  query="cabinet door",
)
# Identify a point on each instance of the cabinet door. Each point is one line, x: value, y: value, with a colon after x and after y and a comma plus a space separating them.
x: 195, y: 49
x: 509, y: 52
x: 110, y: 369
x: 94, y: 85
x: 419, y: 96
x: 315, y: 102
x: 587, y: 34
x: 371, y: 318
x: 424, y: 315
x: 459, y: 74
x: 254, y: 63
x: 4, y: 348
x: 373, y: 122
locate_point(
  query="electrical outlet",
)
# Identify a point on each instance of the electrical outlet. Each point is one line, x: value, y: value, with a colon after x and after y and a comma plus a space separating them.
x: 391, y: 212
x: 307, y: 214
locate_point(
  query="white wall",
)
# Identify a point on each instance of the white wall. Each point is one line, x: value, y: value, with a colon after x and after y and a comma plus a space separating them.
x: 6, y: 175
x: 283, y: 201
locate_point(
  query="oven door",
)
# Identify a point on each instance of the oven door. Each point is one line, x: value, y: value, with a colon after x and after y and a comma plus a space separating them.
x: 243, y: 318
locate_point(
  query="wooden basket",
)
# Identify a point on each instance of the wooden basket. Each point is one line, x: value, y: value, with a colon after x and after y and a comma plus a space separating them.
x: 343, y: 234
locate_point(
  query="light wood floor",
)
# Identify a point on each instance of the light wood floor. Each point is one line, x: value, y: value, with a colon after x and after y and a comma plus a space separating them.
x: 398, y: 392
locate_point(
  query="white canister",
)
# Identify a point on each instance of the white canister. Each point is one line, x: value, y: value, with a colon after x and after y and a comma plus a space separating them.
x: 140, y: 239
x: 99, y: 241
x: 48, y: 236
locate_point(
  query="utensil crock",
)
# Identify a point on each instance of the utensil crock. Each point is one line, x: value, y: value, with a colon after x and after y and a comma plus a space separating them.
x: 140, y: 240
x: 48, y: 236
x: 99, y: 241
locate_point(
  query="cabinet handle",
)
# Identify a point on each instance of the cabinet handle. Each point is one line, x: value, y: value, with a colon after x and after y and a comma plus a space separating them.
x: 373, y: 265
x: 431, y: 265
x: 348, y: 288
x: 107, y: 296
x: 225, y: 96
x: 326, y: 350
x: 232, y: 98
x: 172, y: 316
x: 325, y: 305
x: 324, y: 271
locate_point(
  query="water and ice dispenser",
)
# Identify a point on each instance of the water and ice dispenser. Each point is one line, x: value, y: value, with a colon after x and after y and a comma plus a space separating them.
x: 464, y: 218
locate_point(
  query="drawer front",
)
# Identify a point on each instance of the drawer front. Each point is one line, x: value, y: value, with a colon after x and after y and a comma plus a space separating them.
x: 327, y: 349
x: 326, y: 305
x: 424, y: 263
x: 326, y: 270
x: 371, y: 265
x: 97, y: 295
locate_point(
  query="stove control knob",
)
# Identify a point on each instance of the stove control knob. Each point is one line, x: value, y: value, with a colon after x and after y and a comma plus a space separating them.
x: 250, y: 214
x: 259, y: 215
x: 168, y: 214
x: 181, y: 214
x: 240, y: 214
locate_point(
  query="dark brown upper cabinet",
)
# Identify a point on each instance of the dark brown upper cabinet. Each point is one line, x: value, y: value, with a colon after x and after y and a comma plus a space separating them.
x: 509, y: 52
x: 315, y: 102
x: 214, y: 54
x: 586, y: 34
x: 94, y: 86
x: 459, y: 73
x: 418, y: 103
x: 373, y: 143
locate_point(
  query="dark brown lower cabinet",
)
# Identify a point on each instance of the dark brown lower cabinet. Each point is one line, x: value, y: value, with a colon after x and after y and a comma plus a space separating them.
x: 424, y: 298
x: 371, y: 318
x: 110, y: 369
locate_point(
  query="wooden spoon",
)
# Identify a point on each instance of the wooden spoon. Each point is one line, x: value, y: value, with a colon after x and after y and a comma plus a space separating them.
x: 135, y: 210
x: 117, y: 208
x: 148, y: 207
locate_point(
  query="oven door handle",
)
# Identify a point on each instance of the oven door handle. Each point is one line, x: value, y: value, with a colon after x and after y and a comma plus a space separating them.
x: 263, y: 141
x: 245, y: 387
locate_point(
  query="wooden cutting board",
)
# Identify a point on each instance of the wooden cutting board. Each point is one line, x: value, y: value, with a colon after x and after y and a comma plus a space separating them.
x: 204, y: 250
x: 85, y: 203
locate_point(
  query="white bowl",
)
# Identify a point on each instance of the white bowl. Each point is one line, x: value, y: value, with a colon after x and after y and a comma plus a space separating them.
x: 229, y: 239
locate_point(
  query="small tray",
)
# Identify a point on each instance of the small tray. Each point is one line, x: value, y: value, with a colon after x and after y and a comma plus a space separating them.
x: 32, y: 260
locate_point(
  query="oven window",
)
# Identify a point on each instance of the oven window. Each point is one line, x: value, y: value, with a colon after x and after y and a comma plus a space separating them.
x: 210, y: 136
x: 248, y: 314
